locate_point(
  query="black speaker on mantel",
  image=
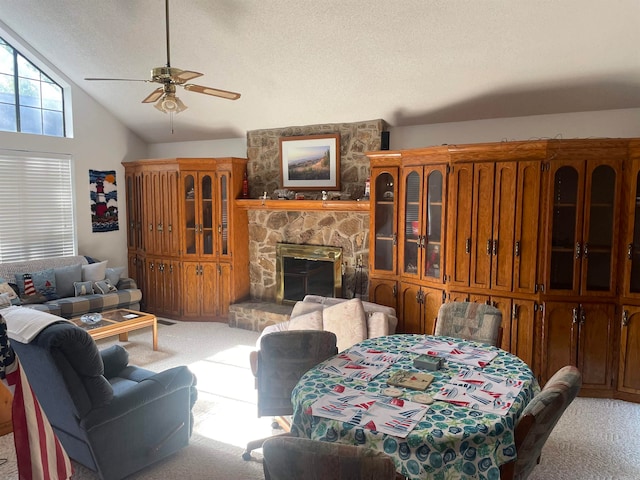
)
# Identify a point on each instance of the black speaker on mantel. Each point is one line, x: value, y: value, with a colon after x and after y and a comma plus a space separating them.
x: 384, y: 141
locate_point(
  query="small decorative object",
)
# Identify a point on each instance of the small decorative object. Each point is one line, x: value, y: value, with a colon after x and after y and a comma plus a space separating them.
x: 324, y: 195
x: 412, y: 380
x: 311, y: 162
x: 428, y: 362
x: 91, y: 318
x: 245, y: 185
x: 367, y: 189
x: 299, y: 196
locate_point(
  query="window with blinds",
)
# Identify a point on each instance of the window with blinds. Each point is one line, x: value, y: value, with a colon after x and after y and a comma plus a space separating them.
x: 36, y: 206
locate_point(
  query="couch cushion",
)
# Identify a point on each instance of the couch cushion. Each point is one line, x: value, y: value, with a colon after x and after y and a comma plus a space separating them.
x: 348, y: 321
x: 308, y: 321
x: 114, y: 274
x: 5, y: 287
x: 94, y: 272
x: 377, y: 325
x: 65, y: 276
x: 300, y: 308
x: 82, y: 288
x: 105, y: 286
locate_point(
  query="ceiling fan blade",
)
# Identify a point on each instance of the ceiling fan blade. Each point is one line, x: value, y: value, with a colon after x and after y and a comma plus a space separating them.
x: 155, y: 95
x: 119, y: 79
x: 186, y: 75
x: 212, y: 91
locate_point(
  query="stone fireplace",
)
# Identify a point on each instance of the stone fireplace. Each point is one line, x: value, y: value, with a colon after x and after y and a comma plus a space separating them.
x: 307, y: 270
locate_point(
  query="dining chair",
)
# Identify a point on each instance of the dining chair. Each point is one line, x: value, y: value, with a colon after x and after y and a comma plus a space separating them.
x: 283, y: 358
x: 538, y: 419
x: 470, y: 321
x: 294, y: 458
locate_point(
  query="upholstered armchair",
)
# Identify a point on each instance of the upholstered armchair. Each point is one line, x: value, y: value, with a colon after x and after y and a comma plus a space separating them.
x: 112, y: 417
x: 470, y: 321
x: 538, y: 420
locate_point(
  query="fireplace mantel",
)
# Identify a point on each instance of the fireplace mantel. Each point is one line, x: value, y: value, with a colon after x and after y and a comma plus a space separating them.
x: 305, y: 205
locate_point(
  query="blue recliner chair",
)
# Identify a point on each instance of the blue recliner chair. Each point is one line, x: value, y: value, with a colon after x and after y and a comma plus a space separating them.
x: 111, y: 417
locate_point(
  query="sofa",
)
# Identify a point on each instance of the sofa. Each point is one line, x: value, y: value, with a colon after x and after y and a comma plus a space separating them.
x: 68, y: 286
x: 352, y: 320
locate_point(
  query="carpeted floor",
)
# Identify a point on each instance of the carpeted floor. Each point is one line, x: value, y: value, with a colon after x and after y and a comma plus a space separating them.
x: 595, y: 439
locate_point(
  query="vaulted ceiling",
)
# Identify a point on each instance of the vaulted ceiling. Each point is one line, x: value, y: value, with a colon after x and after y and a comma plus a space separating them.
x: 302, y: 62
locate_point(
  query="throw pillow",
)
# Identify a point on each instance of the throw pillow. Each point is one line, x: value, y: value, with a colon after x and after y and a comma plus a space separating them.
x: 308, y: 321
x: 105, y: 286
x: 94, y: 272
x: 6, y: 288
x: 65, y: 277
x: 114, y: 274
x: 348, y: 321
x: 300, y: 308
x: 42, y: 282
x: 82, y: 288
x: 5, y: 301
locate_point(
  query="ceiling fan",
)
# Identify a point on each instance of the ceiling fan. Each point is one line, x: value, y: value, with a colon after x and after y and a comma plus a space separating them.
x: 169, y: 77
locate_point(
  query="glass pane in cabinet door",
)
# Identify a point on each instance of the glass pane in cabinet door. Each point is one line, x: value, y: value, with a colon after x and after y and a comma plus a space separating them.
x: 207, y: 216
x: 434, y: 224
x: 224, y: 215
x: 384, y: 222
x: 565, y: 193
x: 190, y: 214
x: 412, y: 238
x: 598, y: 247
x: 633, y: 250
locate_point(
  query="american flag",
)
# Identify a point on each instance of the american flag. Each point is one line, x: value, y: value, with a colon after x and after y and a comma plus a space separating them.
x: 39, y: 453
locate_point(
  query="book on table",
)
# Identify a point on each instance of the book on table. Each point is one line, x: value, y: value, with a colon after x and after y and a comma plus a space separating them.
x: 408, y: 379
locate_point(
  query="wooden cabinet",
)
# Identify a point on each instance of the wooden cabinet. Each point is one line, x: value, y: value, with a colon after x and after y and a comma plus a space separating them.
x: 629, y: 359
x: 187, y: 242
x: 384, y: 221
x: 419, y: 307
x: 581, y: 335
x: 384, y: 292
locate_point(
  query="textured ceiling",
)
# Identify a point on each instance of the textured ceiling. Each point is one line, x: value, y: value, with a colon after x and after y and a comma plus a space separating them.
x: 303, y: 62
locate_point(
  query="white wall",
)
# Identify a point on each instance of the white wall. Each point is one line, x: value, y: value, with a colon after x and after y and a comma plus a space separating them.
x: 232, y: 147
x: 609, y: 123
x: 100, y: 142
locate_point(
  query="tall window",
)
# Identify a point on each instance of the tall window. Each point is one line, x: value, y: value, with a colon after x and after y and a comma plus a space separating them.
x: 36, y: 206
x: 30, y: 102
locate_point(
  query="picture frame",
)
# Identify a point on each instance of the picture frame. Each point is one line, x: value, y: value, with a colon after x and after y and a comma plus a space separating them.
x: 310, y: 162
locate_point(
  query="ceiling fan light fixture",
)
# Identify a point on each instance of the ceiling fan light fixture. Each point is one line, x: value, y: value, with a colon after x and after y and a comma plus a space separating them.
x: 169, y: 103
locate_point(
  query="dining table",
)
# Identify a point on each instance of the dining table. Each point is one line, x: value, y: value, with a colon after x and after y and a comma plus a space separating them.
x: 460, y: 427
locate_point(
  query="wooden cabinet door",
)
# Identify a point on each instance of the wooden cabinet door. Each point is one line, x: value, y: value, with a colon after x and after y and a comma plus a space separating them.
x: 503, y: 235
x: 596, y: 345
x: 527, y: 223
x: 150, y: 291
x: 631, y: 217
x: 434, y: 224
x: 223, y: 289
x: 191, y: 296
x: 411, y: 317
x: 384, y: 292
x: 459, y: 203
x: 168, y: 207
x: 628, y: 371
x: 222, y: 206
x: 482, y: 225
x: 522, y: 334
x: 505, y: 307
x: 560, y: 337
x: 132, y: 214
x: 432, y: 299
x: 383, y: 229
x: 411, y: 228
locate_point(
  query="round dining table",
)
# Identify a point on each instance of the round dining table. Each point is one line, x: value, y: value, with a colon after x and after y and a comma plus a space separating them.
x: 450, y: 441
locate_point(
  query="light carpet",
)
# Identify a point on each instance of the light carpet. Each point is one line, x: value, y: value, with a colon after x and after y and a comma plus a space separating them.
x: 596, y: 439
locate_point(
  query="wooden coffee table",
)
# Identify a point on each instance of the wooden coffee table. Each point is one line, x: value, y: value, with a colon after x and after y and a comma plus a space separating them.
x: 120, y: 322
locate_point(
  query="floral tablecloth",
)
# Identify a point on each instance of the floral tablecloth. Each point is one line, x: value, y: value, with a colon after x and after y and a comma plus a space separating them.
x: 450, y: 441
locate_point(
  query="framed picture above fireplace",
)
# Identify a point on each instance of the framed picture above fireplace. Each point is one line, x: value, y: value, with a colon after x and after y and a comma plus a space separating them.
x: 310, y: 162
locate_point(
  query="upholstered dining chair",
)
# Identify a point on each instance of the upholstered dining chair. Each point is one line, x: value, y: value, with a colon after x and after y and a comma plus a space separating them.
x: 293, y: 458
x: 538, y: 419
x: 283, y: 358
x: 470, y: 321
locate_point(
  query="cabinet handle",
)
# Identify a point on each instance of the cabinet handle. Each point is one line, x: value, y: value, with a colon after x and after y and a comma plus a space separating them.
x: 625, y: 318
x: 583, y: 315
x: 395, y: 239
x: 151, y: 227
x: 517, y: 249
x: 159, y: 228
x: 467, y: 247
x: 515, y: 311
x: 495, y: 248
x: 219, y: 228
x: 489, y: 247
x: 151, y: 266
x: 574, y: 318
x: 170, y: 228
x: 585, y: 253
x: 578, y: 250
x: 630, y: 251
x: 395, y: 291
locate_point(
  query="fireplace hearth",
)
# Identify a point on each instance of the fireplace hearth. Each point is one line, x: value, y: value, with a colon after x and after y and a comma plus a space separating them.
x: 307, y: 270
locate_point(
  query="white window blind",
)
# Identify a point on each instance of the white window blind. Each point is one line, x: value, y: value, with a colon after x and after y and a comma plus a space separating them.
x: 36, y: 206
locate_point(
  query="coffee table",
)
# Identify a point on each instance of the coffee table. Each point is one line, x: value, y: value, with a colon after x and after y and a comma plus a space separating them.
x: 120, y: 322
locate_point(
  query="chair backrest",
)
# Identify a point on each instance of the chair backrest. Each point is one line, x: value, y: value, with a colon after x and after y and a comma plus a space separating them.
x: 283, y: 358
x: 541, y: 415
x: 292, y: 458
x: 470, y: 321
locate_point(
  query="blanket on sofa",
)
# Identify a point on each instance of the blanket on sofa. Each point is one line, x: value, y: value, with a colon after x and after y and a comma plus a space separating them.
x: 24, y: 324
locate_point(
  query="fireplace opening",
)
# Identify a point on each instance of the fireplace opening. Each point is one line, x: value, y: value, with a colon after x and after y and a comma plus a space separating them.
x: 307, y: 270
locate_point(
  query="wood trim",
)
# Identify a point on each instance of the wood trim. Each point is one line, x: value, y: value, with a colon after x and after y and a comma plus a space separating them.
x: 305, y: 205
